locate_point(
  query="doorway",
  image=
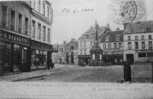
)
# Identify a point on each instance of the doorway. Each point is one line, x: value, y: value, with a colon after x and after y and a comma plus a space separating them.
x: 130, y: 58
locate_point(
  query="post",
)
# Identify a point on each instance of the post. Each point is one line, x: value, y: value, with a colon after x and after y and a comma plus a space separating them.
x: 28, y: 64
x: 152, y: 72
x: 12, y: 58
x: 127, y: 72
x: 1, y: 58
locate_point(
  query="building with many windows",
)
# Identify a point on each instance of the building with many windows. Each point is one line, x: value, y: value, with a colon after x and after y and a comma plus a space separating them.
x: 138, y: 42
x: 41, y: 21
x: 15, y: 32
x: 112, y: 45
x: 25, y: 34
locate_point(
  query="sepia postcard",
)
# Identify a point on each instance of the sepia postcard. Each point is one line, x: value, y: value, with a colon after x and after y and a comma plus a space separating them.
x: 76, y: 49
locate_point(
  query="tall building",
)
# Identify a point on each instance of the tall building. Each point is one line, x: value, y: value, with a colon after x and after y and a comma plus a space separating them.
x: 138, y: 42
x: 41, y: 21
x: 72, y: 52
x: 18, y: 31
x: 15, y: 33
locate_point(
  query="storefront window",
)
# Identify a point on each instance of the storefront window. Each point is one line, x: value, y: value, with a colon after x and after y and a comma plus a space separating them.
x: 39, y: 58
x: 142, y: 54
x: 6, y: 56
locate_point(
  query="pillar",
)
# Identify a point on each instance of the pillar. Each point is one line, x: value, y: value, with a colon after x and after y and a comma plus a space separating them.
x: 29, y: 55
x: 12, y: 58
x: 1, y: 58
x: 152, y: 72
x: 127, y: 72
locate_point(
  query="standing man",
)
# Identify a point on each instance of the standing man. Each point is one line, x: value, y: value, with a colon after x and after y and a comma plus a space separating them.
x: 50, y: 64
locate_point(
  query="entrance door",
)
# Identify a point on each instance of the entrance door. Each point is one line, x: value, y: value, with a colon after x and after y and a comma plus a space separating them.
x: 130, y: 58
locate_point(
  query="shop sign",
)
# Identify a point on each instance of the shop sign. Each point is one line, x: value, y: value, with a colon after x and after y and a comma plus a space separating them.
x: 14, y: 38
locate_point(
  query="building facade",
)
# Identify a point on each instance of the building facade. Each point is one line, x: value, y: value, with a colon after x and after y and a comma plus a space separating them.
x: 112, y: 45
x: 14, y: 35
x: 138, y: 42
x: 67, y: 53
x: 17, y: 39
x: 72, y: 52
x: 85, y: 43
x: 59, y: 57
x: 41, y: 21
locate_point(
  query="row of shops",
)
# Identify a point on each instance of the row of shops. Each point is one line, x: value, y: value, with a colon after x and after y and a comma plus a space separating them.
x: 20, y: 53
x: 106, y: 59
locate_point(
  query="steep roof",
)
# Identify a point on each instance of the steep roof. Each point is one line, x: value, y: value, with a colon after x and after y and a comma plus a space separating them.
x: 90, y: 33
x: 112, y: 36
x: 73, y: 43
x: 139, y: 27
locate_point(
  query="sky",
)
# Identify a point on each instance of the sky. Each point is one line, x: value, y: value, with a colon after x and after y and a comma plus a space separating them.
x: 68, y: 24
x: 73, y: 17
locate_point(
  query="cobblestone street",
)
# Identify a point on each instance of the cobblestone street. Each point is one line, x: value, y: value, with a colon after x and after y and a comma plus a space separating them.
x: 82, y: 74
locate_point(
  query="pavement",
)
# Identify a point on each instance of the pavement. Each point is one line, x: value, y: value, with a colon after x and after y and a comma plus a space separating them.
x: 74, y: 73
x: 48, y: 90
x: 28, y: 75
x: 108, y: 88
x: 62, y: 73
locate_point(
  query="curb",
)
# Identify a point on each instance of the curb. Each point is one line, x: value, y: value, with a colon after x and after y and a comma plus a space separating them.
x: 29, y: 78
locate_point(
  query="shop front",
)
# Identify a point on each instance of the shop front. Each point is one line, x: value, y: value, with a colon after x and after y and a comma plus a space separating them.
x: 40, y: 54
x: 14, y: 51
x: 83, y: 59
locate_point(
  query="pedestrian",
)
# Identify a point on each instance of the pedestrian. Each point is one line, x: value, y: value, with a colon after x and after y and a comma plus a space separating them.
x: 52, y: 65
x: 48, y: 64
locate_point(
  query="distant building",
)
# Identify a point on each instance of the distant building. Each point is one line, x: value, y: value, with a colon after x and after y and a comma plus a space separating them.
x: 72, y: 52
x: 138, y: 42
x: 15, y: 32
x: 59, y: 57
x: 112, y: 45
x: 86, y: 41
x: 67, y: 53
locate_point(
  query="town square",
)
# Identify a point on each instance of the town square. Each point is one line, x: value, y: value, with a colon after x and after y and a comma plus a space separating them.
x: 73, y: 41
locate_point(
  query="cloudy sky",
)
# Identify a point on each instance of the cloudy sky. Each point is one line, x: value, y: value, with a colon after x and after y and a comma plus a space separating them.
x: 73, y: 17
